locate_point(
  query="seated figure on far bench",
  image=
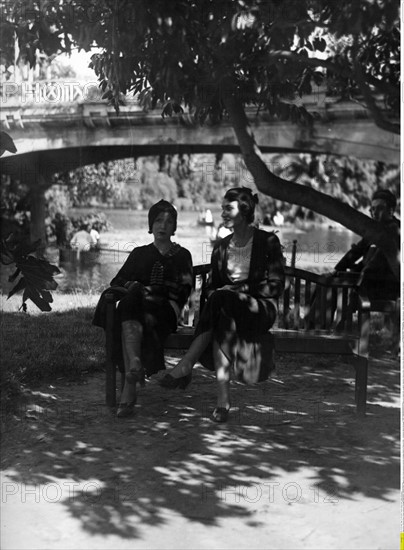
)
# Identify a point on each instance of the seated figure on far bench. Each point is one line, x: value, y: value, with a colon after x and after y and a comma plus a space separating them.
x: 153, y: 286
x: 369, y: 261
x: 246, y: 278
x: 366, y: 258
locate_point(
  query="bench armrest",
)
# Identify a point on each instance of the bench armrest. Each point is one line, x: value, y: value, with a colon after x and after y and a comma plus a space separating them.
x: 363, y: 300
x: 342, y: 278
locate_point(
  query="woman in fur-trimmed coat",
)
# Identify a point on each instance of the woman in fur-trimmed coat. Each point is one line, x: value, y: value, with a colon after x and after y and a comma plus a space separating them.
x: 246, y: 279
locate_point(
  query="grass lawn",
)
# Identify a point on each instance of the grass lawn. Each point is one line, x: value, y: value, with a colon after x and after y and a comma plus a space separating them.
x: 38, y: 346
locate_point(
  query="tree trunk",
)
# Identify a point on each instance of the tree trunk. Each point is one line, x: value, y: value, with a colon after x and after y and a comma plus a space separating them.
x: 38, y: 186
x: 38, y: 209
x: 281, y: 189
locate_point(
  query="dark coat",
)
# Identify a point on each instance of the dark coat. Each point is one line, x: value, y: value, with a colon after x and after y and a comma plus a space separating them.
x: 368, y: 259
x: 168, y: 279
x: 251, y: 307
x: 266, y: 276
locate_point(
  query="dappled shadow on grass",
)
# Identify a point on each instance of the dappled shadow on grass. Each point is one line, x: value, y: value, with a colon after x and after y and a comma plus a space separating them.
x: 49, y: 346
x: 121, y: 476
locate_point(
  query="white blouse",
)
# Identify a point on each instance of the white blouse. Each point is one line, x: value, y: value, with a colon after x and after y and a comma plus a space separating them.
x: 238, y: 260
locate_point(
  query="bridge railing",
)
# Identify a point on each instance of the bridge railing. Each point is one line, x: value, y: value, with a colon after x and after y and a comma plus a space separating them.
x: 69, y: 91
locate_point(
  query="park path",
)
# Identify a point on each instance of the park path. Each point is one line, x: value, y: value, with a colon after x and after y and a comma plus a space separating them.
x: 293, y: 468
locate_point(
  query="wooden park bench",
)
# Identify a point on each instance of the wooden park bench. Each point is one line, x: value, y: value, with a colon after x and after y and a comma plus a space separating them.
x: 296, y: 330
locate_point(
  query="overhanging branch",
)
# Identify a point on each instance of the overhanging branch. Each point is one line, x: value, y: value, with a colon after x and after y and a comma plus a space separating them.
x: 294, y: 193
x: 308, y: 61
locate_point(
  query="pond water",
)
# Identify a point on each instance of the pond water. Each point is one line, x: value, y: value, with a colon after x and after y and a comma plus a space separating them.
x: 318, y: 248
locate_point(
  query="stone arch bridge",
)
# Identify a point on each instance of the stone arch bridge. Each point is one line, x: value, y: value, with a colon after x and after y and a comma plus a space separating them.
x: 59, y: 137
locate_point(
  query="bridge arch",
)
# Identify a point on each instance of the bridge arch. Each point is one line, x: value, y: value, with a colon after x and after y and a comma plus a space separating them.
x: 62, y: 138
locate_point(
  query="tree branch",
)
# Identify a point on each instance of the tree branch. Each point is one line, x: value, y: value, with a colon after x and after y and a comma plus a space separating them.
x: 309, y: 61
x: 281, y: 189
x: 380, y: 121
x: 357, y: 75
x: 383, y: 87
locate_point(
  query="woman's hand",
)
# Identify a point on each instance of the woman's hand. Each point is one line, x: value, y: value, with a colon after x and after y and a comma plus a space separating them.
x: 157, y: 290
x: 130, y: 284
x: 241, y: 287
x: 226, y: 287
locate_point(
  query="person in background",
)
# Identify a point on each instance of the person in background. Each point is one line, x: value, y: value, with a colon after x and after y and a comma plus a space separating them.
x: 278, y: 219
x: 153, y: 286
x: 82, y: 240
x: 246, y: 279
x: 209, y: 223
x: 208, y: 216
x: 375, y: 275
x: 95, y: 236
x: 366, y: 258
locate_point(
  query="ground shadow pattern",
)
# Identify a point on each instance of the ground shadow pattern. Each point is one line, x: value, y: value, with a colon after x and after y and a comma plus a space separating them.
x: 120, y: 476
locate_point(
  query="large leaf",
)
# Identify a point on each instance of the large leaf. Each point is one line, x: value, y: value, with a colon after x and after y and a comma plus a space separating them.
x: 13, y: 277
x: 36, y: 267
x: 47, y: 296
x: 38, y: 300
x: 6, y: 144
x: 21, y: 285
x: 36, y: 273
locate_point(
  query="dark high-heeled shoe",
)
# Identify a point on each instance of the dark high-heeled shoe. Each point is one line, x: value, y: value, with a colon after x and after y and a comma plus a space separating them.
x: 126, y: 409
x: 172, y: 383
x: 220, y: 415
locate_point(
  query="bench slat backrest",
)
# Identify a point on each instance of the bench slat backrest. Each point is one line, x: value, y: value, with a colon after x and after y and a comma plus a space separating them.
x: 312, y: 299
x: 305, y: 303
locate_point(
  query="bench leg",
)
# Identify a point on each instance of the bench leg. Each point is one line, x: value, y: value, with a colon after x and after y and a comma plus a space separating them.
x: 110, y: 384
x: 110, y: 374
x: 394, y: 327
x: 361, y: 384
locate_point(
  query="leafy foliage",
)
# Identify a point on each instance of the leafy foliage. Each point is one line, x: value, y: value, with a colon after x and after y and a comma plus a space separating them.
x: 204, y: 60
x: 14, y: 206
x: 91, y: 181
x: 348, y: 179
x: 36, y: 275
x: 199, y: 178
x: 103, y: 183
x: 6, y: 144
x: 178, y: 54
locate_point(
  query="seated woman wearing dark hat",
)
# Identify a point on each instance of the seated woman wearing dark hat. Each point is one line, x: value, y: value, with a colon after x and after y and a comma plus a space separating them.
x: 158, y: 280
